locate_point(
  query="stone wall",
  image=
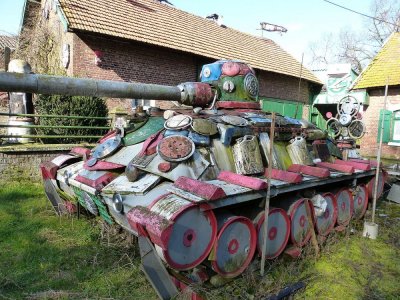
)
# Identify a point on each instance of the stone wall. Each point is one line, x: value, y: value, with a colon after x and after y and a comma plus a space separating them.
x: 22, y: 162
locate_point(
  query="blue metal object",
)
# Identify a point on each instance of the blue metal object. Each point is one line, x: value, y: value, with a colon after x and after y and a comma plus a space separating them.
x: 169, y: 132
x: 211, y: 72
x: 228, y: 132
x: 199, y: 139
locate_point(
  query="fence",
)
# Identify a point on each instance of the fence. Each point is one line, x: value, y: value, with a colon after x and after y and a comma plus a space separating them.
x: 37, y: 128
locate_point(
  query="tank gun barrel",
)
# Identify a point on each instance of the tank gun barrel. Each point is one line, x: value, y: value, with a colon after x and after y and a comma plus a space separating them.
x: 61, y: 85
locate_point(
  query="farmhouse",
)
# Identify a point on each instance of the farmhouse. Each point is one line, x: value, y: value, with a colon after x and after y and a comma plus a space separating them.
x: 383, y: 69
x: 151, y: 42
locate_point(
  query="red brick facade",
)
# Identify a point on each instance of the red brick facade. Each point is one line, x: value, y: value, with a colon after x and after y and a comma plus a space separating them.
x: 369, y: 143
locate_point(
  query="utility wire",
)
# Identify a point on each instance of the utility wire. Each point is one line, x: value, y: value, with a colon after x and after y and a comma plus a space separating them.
x: 359, y: 13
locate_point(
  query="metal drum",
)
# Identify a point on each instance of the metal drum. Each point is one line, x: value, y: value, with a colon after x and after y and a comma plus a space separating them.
x: 371, y: 185
x: 360, y: 202
x: 235, y: 245
x: 344, y: 199
x: 193, y: 232
x: 300, y: 228
x: 18, y: 131
x: 327, y: 220
x: 278, y: 232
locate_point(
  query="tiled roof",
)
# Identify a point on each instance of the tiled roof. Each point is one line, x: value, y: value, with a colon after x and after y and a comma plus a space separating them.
x: 8, y: 41
x: 385, y: 64
x: 150, y: 21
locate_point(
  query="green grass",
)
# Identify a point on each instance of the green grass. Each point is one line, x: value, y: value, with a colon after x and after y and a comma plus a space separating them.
x: 43, y: 256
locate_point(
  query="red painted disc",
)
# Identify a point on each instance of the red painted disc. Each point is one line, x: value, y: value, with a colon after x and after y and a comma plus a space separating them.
x: 176, y: 148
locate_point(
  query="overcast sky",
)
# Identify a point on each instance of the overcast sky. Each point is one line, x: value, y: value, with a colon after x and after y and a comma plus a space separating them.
x: 306, y: 20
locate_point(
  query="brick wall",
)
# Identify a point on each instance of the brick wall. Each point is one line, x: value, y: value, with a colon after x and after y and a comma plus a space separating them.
x: 24, y: 165
x: 274, y: 85
x: 369, y: 143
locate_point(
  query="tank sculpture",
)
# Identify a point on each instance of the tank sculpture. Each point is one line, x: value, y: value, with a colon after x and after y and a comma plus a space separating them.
x: 191, y: 183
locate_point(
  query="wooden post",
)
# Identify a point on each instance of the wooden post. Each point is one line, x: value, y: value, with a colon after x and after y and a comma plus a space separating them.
x: 379, y: 154
x: 266, y: 209
x: 310, y: 221
x: 7, y: 57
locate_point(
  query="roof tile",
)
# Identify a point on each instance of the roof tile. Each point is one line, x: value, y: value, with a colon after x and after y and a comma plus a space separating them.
x: 149, y: 21
x: 386, y: 64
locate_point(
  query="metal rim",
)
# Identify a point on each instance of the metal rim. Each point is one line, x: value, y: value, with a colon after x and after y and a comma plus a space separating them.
x: 333, y: 126
x: 252, y: 243
x: 354, y: 128
x: 346, y: 100
x: 333, y: 214
x: 360, y: 213
x: 106, y: 148
x: 343, y: 208
x: 292, y: 211
x: 184, y: 125
x: 260, y: 226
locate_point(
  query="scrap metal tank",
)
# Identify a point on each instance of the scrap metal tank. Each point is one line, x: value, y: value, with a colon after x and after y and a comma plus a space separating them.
x: 190, y: 181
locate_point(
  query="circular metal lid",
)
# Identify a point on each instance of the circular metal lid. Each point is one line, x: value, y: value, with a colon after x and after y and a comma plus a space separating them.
x: 178, y: 122
x: 106, y: 148
x: 176, y: 148
x: 204, y: 127
x: 235, y: 120
x: 345, y: 119
x: 117, y: 203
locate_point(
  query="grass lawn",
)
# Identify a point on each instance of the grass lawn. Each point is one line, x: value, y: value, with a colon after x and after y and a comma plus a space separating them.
x: 43, y: 256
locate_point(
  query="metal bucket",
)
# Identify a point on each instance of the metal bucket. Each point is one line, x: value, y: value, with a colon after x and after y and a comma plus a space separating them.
x: 360, y: 201
x: 344, y: 199
x: 370, y: 230
x: 278, y: 232
x: 327, y: 220
x: 193, y: 232
x: 235, y: 245
x: 18, y: 130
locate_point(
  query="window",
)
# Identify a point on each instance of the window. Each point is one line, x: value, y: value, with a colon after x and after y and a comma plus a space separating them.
x: 391, y: 126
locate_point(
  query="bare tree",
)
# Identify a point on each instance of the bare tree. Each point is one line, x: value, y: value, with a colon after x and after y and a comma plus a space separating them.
x: 357, y: 48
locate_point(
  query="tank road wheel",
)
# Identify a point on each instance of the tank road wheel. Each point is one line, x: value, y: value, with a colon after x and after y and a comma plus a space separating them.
x: 360, y: 201
x: 235, y: 246
x: 193, y: 232
x: 300, y: 228
x: 278, y: 232
x: 344, y: 199
x: 326, y: 222
x: 381, y: 184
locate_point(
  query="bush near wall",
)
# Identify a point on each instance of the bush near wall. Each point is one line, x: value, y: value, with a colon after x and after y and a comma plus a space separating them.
x: 71, y: 106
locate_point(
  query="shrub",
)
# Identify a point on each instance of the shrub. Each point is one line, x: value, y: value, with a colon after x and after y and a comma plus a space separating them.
x: 71, y: 106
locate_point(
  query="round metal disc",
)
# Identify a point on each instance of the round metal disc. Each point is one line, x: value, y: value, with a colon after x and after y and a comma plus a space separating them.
x: 178, y: 122
x: 300, y: 228
x: 344, y: 119
x: 360, y: 201
x: 278, y: 232
x: 176, y: 148
x: 89, y: 203
x: 55, y: 199
x: 344, y: 200
x: 235, y: 247
x: 234, y: 120
x: 106, y: 148
x: 251, y: 85
x: 204, y: 127
x: 191, y: 239
x: 356, y: 129
x: 326, y: 222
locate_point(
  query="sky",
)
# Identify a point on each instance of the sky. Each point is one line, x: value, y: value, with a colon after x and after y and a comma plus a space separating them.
x: 306, y: 20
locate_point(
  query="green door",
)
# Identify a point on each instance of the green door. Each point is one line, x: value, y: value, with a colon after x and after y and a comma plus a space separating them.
x: 286, y: 108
